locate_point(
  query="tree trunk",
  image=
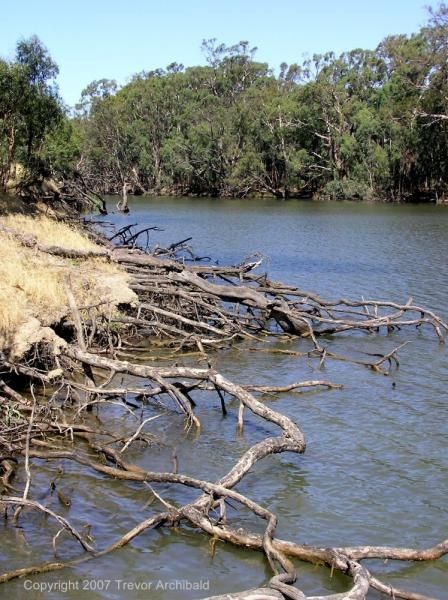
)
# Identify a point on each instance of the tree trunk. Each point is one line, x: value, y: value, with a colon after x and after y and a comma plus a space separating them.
x: 122, y: 205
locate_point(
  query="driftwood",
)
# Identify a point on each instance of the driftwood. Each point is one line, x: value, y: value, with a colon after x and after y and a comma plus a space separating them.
x: 194, y: 308
x: 122, y: 204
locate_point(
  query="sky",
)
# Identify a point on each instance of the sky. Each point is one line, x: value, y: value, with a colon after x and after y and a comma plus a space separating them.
x: 113, y: 39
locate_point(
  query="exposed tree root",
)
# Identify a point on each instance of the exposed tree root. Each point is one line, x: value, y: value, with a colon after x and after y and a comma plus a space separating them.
x: 199, y: 308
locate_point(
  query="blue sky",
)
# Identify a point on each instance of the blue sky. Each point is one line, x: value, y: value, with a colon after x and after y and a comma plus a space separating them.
x: 95, y: 39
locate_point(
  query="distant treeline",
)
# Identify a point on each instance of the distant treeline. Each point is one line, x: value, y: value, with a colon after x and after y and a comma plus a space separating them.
x: 366, y: 124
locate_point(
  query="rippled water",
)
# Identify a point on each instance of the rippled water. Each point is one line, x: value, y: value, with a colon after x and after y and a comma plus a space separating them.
x: 376, y: 466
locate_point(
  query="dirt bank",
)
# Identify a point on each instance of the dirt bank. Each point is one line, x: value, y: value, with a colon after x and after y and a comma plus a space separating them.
x: 36, y: 281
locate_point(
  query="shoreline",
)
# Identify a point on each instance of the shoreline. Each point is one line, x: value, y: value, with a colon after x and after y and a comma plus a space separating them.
x: 312, y: 199
x: 189, y: 311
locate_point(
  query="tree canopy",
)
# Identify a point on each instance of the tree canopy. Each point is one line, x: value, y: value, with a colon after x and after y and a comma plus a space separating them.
x: 30, y: 109
x: 365, y: 124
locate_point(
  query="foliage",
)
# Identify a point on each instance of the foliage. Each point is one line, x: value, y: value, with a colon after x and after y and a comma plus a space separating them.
x: 365, y: 124
x: 30, y: 109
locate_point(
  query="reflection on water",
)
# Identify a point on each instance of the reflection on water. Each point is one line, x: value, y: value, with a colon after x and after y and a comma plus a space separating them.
x: 376, y: 467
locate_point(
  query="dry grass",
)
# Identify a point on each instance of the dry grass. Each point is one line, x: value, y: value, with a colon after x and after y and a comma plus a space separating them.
x: 33, y: 284
x: 48, y: 231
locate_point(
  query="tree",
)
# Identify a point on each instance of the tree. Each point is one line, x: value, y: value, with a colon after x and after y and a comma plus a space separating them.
x: 29, y: 108
x: 367, y: 123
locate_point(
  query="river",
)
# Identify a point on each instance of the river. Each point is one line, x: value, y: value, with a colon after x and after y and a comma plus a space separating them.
x: 376, y: 466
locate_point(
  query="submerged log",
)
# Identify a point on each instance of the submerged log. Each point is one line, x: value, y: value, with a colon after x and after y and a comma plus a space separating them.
x: 122, y: 205
x: 254, y: 594
x: 201, y: 308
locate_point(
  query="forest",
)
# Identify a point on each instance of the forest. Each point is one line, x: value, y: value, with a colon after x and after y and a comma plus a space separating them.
x: 368, y: 124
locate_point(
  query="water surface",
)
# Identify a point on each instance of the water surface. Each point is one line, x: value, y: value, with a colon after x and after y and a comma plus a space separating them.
x: 376, y: 466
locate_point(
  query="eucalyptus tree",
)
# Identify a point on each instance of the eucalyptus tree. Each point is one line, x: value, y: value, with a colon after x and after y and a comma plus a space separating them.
x: 30, y: 108
x: 365, y: 124
x: 432, y: 112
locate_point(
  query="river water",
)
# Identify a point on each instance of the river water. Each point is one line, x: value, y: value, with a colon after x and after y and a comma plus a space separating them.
x: 376, y: 466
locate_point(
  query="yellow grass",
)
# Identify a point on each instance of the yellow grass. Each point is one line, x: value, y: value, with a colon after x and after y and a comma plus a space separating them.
x: 48, y: 231
x: 33, y: 283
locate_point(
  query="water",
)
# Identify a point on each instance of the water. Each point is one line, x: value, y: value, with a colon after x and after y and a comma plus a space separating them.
x: 376, y: 466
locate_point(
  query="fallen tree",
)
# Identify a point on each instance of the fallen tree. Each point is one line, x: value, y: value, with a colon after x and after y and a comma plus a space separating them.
x: 187, y: 305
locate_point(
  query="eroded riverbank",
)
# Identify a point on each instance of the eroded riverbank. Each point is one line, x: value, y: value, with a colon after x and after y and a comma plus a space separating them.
x: 362, y: 459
